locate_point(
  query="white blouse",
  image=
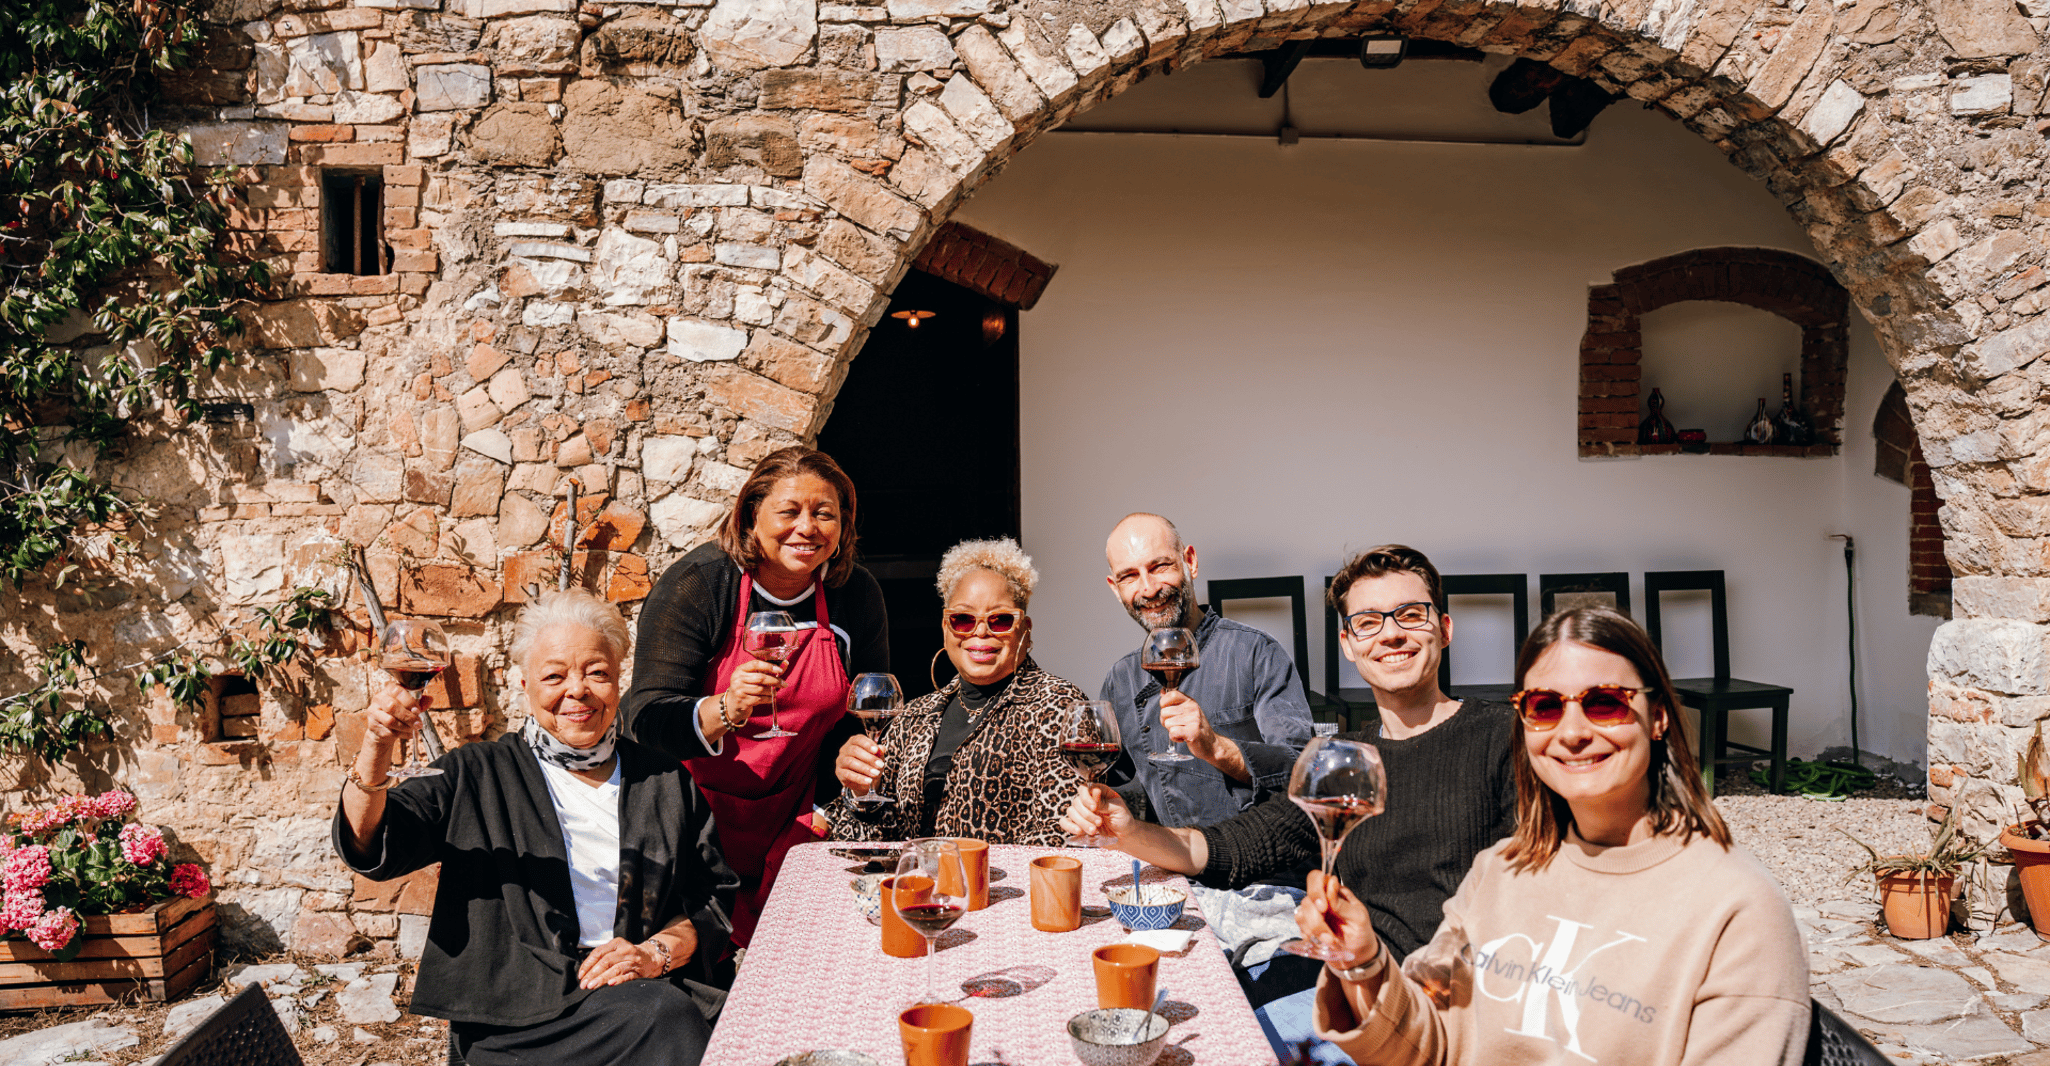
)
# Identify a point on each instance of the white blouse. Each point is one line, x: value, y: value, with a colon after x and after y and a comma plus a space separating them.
x: 589, y: 817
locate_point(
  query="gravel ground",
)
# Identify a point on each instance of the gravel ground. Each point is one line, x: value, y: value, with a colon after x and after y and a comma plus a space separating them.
x: 1802, y: 841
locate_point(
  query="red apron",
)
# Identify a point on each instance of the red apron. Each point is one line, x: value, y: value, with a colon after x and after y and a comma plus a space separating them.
x: 761, y: 791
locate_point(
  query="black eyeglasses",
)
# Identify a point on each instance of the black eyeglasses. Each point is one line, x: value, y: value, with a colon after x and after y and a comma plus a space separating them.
x: 1364, y: 624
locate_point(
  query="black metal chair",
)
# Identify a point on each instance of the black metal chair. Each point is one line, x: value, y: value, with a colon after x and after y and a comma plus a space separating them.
x: 1715, y: 697
x: 1358, y: 699
x: 1832, y: 1041
x: 1615, y: 584
x: 1516, y: 586
x: 244, y: 1032
x: 1222, y: 591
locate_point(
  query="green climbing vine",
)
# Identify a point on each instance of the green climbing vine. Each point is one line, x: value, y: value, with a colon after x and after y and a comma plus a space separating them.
x: 117, y: 286
x: 52, y: 719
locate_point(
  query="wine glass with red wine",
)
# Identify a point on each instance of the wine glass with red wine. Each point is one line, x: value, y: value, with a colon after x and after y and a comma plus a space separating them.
x: 875, y: 699
x: 1089, y: 741
x: 935, y: 862
x: 1169, y: 655
x: 1339, y: 784
x: 412, y: 652
x: 771, y: 637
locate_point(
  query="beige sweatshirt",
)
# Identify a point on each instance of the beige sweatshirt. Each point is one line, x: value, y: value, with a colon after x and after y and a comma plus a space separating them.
x: 1661, y: 953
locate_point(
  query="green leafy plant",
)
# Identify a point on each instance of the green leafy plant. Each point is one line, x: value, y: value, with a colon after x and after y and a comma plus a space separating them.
x: 38, y: 721
x: 110, y: 231
x: 1948, y: 853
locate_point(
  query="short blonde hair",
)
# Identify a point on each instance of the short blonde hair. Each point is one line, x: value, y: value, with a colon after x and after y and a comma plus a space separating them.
x: 570, y: 607
x: 1002, y: 557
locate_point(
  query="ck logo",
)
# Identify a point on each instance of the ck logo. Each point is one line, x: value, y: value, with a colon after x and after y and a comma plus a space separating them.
x: 1556, y: 974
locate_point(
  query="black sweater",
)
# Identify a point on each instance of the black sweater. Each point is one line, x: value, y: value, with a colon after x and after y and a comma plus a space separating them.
x: 502, y: 944
x: 685, y: 625
x: 1451, y: 795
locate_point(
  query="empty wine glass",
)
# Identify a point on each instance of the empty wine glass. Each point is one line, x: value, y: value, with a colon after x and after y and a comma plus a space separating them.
x: 413, y: 652
x: 1169, y: 654
x: 771, y: 637
x: 1089, y: 741
x: 1339, y: 784
x: 875, y: 699
x: 927, y: 869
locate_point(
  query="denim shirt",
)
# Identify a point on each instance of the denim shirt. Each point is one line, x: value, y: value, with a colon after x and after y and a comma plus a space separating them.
x: 1250, y: 692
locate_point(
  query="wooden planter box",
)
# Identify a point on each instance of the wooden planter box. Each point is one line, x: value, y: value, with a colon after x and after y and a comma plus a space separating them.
x: 158, y: 955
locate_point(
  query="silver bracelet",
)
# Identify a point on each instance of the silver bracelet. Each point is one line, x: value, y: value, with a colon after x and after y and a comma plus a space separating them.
x: 1365, y: 971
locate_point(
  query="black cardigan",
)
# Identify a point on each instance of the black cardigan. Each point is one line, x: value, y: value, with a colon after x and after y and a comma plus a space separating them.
x: 685, y: 625
x: 502, y: 944
x: 1451, y: 795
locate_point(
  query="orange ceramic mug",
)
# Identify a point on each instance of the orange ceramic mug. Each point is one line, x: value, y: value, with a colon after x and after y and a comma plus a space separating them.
x: 900, y: 940
x: 1056, y: 893
x: 935, y: 1034
x: 1125, y: 975
x: 975, y: 863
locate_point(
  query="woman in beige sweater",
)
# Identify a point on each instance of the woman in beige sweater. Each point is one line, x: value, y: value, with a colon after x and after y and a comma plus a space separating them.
x: 1619, y: 925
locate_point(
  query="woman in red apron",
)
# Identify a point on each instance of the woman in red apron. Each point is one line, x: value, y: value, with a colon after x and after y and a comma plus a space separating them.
x: 697, y: 694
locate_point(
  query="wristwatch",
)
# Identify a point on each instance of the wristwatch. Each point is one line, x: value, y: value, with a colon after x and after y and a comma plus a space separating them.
x: 1365, y: 971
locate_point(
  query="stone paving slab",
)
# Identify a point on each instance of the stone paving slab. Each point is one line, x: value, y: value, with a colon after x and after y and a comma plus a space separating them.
x: 1929, y: 1002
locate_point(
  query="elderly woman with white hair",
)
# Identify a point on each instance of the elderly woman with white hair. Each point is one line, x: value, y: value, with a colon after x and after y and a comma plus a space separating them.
x: 583, y: 904
x: 981, y: 756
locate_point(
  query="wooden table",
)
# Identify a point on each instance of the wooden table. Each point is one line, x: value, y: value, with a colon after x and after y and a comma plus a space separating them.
x: 816, y: 977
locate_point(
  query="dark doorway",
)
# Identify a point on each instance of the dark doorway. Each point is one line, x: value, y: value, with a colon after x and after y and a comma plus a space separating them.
x: 927, y: 426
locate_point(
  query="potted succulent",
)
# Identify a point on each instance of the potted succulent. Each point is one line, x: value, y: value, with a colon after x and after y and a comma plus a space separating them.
x: 1915, y: 890
x: 2029, y: 840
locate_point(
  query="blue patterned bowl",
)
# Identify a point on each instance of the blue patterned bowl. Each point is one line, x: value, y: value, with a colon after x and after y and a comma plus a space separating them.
x: 868, y: 896
x: 1143, y: 907
x: 1117, y: 1037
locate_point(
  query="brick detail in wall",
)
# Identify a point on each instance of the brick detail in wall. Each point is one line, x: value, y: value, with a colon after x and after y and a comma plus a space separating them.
x: 984, y: 264
x: 1795, y: 288
x: 1897, y: 457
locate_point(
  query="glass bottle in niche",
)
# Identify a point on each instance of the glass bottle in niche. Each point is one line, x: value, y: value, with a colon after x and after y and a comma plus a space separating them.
x: 1657, y: 429
x: 1791, y: 424
x: 1761, y: 430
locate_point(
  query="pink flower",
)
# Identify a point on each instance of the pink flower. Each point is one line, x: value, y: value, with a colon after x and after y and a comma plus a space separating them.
x: 21, y: 910
x: 53, y: 930
x: 141, y: 844
x: 187, y: 879
x: 27, y: 870
x: 115, y: 804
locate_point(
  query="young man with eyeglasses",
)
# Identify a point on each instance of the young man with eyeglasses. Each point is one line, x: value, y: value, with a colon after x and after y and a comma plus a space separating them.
x: 1242, y: 713
x: 1451, y: 793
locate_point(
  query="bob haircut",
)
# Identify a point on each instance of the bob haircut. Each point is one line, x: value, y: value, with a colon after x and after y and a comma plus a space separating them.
x: 577, y: 607
x: 736, y: 534
x: 1002, y: 557
x: 1386, y: 559
x: 1679, y: 804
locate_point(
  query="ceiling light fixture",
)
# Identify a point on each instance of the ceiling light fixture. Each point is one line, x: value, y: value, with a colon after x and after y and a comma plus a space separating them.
x: 1380, y: 53
x: 913, y: 318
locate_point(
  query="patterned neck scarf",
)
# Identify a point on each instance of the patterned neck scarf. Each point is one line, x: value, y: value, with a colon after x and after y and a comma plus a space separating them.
x: 552, y: 750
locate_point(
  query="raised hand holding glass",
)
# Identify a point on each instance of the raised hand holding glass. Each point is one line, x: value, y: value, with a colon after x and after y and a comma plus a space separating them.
x: 1090, y: 743
x: 413, y: 652
x: 875, y: 699
x: 771, y: 637
x: 1169, y: 655
x: 1339, y: 784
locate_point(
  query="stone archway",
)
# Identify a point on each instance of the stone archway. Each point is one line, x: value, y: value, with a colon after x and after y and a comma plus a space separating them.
x: 1866, y: 159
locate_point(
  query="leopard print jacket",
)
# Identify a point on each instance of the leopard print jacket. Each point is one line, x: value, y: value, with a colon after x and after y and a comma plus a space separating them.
x: 1009, y: 783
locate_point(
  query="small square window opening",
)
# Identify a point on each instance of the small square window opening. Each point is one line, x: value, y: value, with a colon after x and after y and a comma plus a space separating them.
x: 352, y: 223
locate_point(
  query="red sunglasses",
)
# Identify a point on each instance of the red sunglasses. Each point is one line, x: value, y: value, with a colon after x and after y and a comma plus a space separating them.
x: 999, y: 622
x: 1604, y: 705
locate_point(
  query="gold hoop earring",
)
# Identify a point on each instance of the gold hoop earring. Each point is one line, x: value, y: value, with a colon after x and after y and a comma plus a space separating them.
x: 932, y: 670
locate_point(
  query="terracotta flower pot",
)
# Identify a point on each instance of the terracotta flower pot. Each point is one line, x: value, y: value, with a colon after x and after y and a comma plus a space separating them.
x: 1917, y: 905
x: 2032, y: 864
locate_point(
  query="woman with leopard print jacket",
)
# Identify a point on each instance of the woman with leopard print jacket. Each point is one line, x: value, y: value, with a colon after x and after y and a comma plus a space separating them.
x: 981, y: 757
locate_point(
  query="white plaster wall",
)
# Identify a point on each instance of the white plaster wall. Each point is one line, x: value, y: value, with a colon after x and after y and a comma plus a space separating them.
x: 1299, y: 352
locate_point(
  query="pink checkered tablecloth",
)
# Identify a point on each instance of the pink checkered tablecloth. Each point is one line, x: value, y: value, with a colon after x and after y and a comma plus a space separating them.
x: 816, y: 976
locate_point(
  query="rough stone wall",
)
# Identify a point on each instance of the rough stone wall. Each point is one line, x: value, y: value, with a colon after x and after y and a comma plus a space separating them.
x: 648, y: 238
